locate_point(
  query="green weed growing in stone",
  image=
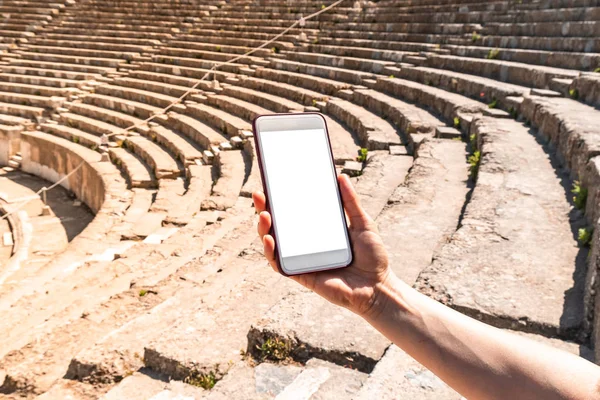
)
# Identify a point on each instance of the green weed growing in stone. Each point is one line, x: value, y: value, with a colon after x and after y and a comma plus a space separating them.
x: 473, y: 141
x: 493, y: 54
x: 392, y: 76
x: 585, y: 236
x: 323, y: 6
x: 198, y: 379
x: 513, y: 113
x: 493, y: 104
x: 143, y: 292
x: 475, y: 37
x: 456, y: 123
x: 597, y: 70
x: 75, y: 139
x: 574, y: 94
x: 218, y: 49
x: 474, y: 161
x: 275, y: 50
x: 362, y: 155
x: 581, y: 194
x: 274, y: 349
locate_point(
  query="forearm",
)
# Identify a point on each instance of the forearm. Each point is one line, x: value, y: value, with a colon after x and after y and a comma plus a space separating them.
x: 479, y: 361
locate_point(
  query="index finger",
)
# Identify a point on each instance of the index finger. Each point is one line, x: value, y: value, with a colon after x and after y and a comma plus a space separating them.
x: 260, y: 201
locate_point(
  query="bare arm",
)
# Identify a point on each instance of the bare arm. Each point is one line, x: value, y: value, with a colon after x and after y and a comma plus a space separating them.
x: 477, y: 360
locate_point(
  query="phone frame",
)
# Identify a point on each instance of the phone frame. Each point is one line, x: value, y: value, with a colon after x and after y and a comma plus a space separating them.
x: 273, y: 230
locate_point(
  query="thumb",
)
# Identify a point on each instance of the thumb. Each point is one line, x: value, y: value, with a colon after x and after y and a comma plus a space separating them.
x: 359, y: 219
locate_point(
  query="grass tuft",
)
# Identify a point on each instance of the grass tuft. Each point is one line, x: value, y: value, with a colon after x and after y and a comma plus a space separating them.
x: 362, y: 155
x: 274, y: 349
x: 585, y: 236
x: 474, y: 161
x: 202, y: 380
x: 580, y: 195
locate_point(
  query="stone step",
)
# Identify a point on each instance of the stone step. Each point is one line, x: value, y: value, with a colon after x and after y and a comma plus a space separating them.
x: 445, y: 104
x: 181, y: 71
x: 176, y: 143
x: 414, y: 122
x: 89, y: 44
x: 86, y: 124
x: 266, y: 101
x: 483, y: 89
x: 181, y: 354
x: 232, y: 174
x: 361, y: 64
x: 137, y: 172
x: 106, y: 115
x: 99, y: 39
x: 199, y: 188
x: 35, y: 90
x: 317, y: 380
x: 166, y: 83
x: 477, y: 257
x: 358, y: 53
x: 70, y: 59
x: 383, y: 44
x: 121, y: 349
x: 192, y: 127
x: 548, y: 43
x: 21, y: 110
x: 106, y: 195
x: 335, y: 73
x: 82, y: 52
x: 374, y: 132
x: 32, y: 100
x: 72, y: 134
x: 194, y: 63
x: 587, y: 88
x: 506, y: 71
x: 47, y: 82
x: 564, y: 29
x: 253, y: 180
x: 81, y: 68
x: 221, y: 56
x: 160, y: 161
x: 245, y: 110
x: 172, y: 91
x: 560, y: 59
x: 133, y: 108
x: 322, y: 85
x: 47, y: 72
x: 297, y: 94
x: 230, y: 125
x: 106, y: 311
x: 137, y: 95
x: 380, y: 178
x: 141, y: 386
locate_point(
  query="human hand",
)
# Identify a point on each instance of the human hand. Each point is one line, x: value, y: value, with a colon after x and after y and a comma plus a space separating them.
x: 356, y: 286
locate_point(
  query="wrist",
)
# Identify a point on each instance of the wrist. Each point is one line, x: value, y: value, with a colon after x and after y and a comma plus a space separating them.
x: 388, y: 297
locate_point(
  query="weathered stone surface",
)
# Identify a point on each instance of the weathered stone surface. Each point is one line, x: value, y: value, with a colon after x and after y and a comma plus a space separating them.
x: 516, y: 232
x: 318, y: 379
x: 210, y: 336
x: 425, y: 209
x: 382, y: 175
x: 398, y: 375
x: 341, y: 337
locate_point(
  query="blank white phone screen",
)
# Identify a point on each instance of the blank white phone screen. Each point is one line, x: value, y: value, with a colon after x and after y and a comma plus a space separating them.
x: 303, y: 195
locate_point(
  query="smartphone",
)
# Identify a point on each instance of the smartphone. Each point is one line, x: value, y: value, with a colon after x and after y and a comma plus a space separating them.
x: 300, y: 184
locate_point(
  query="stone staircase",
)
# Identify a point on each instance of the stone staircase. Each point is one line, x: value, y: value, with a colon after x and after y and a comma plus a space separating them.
x: 162, y: 291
